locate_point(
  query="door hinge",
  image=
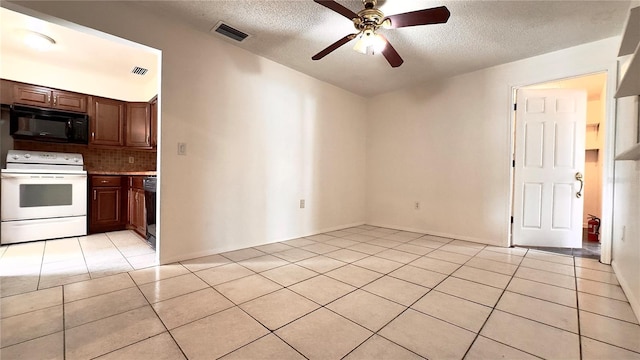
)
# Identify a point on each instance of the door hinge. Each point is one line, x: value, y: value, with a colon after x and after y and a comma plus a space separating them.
x: 512, y: 219
x: 513, y: 163
x: 515, y: 107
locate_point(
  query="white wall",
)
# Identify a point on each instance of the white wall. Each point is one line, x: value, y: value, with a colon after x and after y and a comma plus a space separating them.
x: 259, y: 136
x: 23, y: 69
x: 448, y: 145
x: 626, y: 226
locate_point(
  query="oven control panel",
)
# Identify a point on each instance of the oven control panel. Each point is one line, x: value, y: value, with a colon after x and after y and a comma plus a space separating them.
x: 23, y: 159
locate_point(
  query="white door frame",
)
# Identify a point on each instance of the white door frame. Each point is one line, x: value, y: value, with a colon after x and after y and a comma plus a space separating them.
x: 608, y: 162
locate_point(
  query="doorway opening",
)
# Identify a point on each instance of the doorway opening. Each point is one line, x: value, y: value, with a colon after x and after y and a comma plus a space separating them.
x: 123, y: 78
x: 595, y: 86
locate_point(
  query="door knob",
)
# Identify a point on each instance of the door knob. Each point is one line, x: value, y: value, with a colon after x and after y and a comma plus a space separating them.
x: 579, y: 177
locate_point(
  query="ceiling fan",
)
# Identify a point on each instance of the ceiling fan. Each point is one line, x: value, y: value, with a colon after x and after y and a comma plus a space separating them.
x: 370, y: 19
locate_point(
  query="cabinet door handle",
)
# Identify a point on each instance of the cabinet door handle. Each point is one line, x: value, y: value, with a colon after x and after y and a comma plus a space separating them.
x: 93, y: 135
x: 49, y: 98
x: 94, y: 194
x: 55, y: 100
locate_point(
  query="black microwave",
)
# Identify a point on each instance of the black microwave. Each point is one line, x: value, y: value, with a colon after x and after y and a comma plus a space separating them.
x: 32, y: 123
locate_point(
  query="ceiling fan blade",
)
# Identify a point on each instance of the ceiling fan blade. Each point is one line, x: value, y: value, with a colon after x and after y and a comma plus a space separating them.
x: 333, y: 46
x: 437, y: 15
x: 391, y: 54
x: 337, y: 8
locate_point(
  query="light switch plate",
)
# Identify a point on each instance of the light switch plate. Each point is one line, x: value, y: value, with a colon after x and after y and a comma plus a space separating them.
x: 182, y: 148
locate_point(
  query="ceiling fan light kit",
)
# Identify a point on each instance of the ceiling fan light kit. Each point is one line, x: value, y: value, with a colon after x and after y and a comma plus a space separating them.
x: 369, y: 43
x: 369, y: 20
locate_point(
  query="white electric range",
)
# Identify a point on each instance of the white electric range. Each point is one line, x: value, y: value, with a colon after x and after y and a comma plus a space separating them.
x: 44, y: 196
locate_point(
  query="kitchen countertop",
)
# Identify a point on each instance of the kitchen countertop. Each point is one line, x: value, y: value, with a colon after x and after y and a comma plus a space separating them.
x: 124, y: 172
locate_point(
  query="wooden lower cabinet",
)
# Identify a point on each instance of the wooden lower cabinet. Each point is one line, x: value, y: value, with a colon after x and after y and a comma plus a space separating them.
x: 106, y: 199
x: 137, y: 220
x: 117, y: 203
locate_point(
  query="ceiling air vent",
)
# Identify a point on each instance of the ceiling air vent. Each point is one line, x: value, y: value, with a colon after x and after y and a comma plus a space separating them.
x: 139, y: 71
x: 230, y: 32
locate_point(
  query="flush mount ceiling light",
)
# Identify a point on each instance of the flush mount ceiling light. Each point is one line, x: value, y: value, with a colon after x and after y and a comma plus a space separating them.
x: 37, y: 41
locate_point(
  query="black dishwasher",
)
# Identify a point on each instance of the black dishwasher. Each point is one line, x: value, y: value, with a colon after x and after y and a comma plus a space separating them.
x: 150, y: 206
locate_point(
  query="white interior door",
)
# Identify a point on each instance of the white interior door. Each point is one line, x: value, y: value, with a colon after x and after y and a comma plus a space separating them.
x: 550, y: 143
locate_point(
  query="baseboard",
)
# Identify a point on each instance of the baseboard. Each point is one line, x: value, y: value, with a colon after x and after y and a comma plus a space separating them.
x: 208, y: 252
x: 444, y: 235
x: 633, y: 300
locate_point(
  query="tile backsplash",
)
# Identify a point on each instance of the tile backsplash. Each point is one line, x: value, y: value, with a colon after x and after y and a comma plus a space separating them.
x: 98, y: 159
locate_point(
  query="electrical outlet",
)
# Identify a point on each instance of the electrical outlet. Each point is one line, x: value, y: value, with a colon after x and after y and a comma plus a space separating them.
x: 417, y: 205
x: 302, y: 204
x: 182, y: 148
x: 131, y: 160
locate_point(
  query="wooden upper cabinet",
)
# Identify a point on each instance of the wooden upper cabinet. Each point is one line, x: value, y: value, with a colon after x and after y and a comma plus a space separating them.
x: 6, y: 92
x: 138, y: 125
x: 32, y: 95
x: 50, y: 98
x: 64, y: 100
x: 107, y: 121
x: 153, y: 104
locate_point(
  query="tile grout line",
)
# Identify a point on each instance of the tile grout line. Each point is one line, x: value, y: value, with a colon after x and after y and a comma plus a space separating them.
x: 417, y: 300
x: 374, y: 333
x: 612, y: 345
x: 84, y: 259
x: 120, y: 251
x: 287, y: 287
x: 318, y: 274
x: 493, y: 308
x: 41, y: 264
x: 578, y: 309
x: 269, y: 331
x: 64, y: 328
x: 157, y: 317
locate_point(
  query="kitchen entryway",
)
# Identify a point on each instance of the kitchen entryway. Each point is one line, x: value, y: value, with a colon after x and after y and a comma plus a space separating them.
x: 109, y: 90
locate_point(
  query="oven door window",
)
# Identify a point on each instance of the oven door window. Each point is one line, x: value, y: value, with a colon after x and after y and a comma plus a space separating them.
x: 39, y: 195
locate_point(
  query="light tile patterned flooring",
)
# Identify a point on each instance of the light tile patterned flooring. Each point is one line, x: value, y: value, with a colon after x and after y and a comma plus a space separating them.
x: 357, y: 293
x: 44, y: 264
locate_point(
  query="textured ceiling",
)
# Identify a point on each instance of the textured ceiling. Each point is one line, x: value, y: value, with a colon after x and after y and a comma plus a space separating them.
x: 478, y: 34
